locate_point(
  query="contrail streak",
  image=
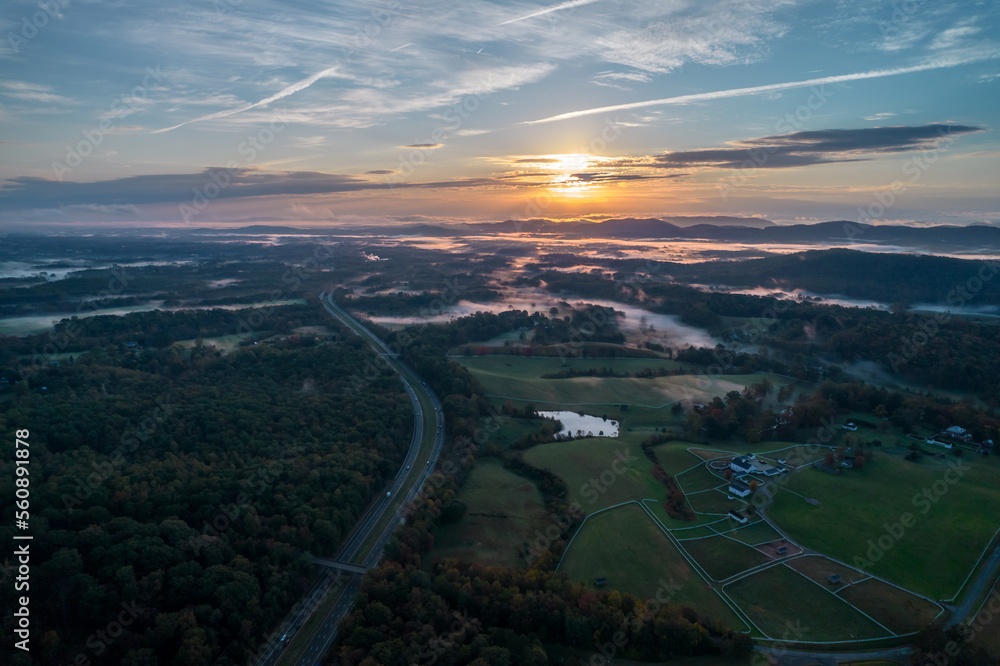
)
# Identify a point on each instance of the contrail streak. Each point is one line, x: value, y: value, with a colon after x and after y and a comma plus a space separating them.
x: 285, y: 92
x: 556, y: 8
x: 756, y: 90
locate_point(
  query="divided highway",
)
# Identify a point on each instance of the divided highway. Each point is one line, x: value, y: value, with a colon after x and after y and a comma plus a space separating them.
x: 367, y: 540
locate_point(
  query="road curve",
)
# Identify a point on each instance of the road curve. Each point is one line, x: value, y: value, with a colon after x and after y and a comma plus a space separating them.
x: 413, y: 472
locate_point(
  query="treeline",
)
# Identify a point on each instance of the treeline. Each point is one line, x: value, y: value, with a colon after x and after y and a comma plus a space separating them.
x: 941, y: 351
x: 423, y: 303
x: 91, y: 288
x: 676, y: 504
x: 591, y: 323
x: 882, y: 277
x: 158, y: 328
x: 462, y: 613
x: 190, y: 487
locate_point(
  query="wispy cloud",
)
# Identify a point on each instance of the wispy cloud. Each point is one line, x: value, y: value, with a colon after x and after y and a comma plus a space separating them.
x: 773, y: 87
x: 32, y: 92
x: 619, y: 80
x: 952, y: 37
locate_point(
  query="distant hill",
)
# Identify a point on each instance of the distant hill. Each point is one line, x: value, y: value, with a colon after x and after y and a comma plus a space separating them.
x: 721, y: 220
x: 764, y: 231
x: 718, y: 228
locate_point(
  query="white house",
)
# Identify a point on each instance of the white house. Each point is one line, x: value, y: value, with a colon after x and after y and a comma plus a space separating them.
x: 738, y: 488
x: 958, y: 433
x: 850, y: 426
x: 933, y: 441
x: 742, y: 465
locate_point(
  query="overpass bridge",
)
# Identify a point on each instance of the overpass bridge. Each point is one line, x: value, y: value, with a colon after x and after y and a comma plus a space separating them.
x: 342, y: 566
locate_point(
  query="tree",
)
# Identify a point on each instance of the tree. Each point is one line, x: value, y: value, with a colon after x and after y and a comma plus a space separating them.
x: 754, y: 485
x: 859, y: 461
x: 742, y: 646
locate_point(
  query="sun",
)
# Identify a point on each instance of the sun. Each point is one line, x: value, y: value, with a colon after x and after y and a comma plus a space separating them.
x: 570, y: 182
x: 572, y: 162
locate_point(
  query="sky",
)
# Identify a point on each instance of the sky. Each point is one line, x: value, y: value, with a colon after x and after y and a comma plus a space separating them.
x: 232, y: 112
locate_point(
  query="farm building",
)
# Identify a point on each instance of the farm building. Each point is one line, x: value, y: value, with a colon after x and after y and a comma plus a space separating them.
x: 768, y: 470
x: 957, y: 432
x: 742, y: 465
x: 848, y: 462
x: 738, y: 517
x: 850, y: 425
x: 935, y: 442
x: 738, y: 488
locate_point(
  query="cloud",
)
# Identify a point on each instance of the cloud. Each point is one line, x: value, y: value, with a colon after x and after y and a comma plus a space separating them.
x: 309, y: 141
x: 32, y: 92
x: 31, y: 192
x: 618, y: 80
x: 880, y: 116
x: 815, y: 147
x: 773, y: 87
x: 952, y: 37
x: 591, y: 177
x: 285, y: 92
x: 424, y: 146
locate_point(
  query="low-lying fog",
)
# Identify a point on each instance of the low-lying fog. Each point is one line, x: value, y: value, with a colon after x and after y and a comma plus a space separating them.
x: 638, y: 325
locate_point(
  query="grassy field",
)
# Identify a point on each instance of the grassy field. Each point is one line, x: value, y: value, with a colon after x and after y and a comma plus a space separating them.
x: 892, y: 607
x: 519, y: 378
x: 713, y: 501
x: 856, y: 507
x: 586, y: 465
x: 512, y: 429
x: 534, y: 367
x: 820, y: 568
x: 222, y: 342
x: 695, y: 532
x: 988, y: 623
x: 721, y: 557
x: 778, y: 598
x: 700, y: 478
x: 504, y: 511
x: 675, y: 458
x: 754, y: 533
x: 627, y: 548
x: 683, y: 528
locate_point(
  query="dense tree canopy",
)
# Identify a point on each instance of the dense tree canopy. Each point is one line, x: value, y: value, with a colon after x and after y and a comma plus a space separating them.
x: 192, y: 484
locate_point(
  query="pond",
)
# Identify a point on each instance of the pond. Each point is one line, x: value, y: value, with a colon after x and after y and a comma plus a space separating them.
x: 583, y: 425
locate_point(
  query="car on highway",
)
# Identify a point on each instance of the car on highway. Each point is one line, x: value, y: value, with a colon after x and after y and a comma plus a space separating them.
x: 388, y: 493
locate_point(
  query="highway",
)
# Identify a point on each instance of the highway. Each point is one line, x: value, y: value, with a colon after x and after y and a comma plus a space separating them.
x: 364, y: 545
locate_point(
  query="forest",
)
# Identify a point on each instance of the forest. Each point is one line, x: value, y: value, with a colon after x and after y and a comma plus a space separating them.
x: 191, y: 485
